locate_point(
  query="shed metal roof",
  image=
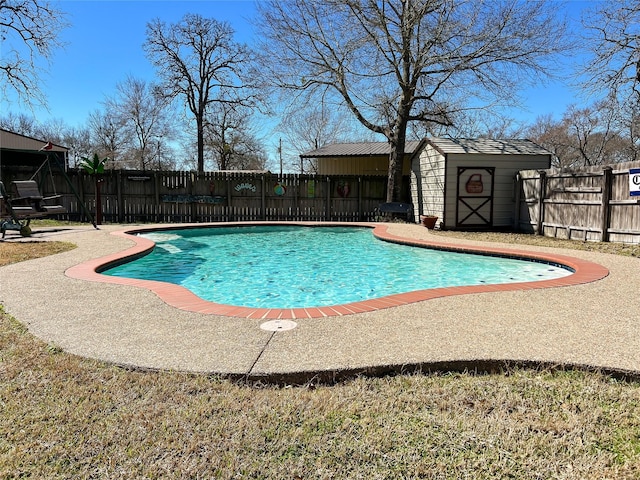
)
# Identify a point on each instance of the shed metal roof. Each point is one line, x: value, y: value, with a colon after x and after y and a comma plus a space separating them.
x: 15, y: 141
x: 362, y: 149
x: 487, y: 146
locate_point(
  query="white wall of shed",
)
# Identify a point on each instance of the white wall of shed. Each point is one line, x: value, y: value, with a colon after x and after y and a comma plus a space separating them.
x: 427, y: 183
x: 506, y: 168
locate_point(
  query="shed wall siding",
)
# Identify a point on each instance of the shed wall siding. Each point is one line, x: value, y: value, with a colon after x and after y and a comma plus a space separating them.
x: 427, y: 183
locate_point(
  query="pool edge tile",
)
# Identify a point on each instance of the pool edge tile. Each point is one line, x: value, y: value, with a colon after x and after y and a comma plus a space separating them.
x: 179, y: 297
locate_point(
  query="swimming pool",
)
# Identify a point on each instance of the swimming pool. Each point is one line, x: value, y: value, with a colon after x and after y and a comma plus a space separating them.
x: 287, y: 267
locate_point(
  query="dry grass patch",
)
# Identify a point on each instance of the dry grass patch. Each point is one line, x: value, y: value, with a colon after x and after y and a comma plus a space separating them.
x: 11, y: 252
x: 66, y: 417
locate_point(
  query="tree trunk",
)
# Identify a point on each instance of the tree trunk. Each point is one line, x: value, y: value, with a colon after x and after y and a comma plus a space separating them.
x: 392, y: 194
x: 200, y: 140
x: 396, y: 161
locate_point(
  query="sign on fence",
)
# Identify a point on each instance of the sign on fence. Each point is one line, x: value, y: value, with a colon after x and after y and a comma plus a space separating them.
x: 634, y: 182
x: 214, y: 199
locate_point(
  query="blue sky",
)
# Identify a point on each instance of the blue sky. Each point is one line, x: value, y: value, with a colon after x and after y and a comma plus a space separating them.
x: 104, y: 45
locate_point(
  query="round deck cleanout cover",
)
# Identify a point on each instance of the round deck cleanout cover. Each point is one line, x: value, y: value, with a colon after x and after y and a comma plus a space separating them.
x: 278, y: 325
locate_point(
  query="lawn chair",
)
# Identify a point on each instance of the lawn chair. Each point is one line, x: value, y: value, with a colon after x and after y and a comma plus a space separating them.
x: 24, y: 203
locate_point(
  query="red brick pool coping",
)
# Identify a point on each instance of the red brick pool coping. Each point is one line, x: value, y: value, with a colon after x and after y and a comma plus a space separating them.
x: 180, y: 297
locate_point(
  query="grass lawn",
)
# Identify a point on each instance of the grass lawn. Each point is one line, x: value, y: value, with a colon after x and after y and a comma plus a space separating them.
x: 67, y: 417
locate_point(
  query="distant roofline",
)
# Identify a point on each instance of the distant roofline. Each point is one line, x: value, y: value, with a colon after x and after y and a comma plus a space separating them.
x: 3, y: 146
x: 359, y: 149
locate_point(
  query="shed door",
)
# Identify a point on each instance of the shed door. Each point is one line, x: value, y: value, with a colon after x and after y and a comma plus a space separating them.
x: 474, y: 204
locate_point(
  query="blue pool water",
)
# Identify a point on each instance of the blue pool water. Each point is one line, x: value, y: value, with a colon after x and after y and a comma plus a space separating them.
x: 294, y: 267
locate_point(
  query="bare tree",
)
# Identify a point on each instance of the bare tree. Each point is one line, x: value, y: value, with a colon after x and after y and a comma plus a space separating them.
x: 630, y: 125
x: 471, y: 124
x: 28, y: 33
x: 310, y: 128
x: 78, y: 141
x: 583, y: 137
x: 197, y: 59
x: 230, y: 139
x: 614, y: 39
x: 552, y: 135
x: 393, y: 62
x: 53, y: 129
x: 141, y: 108
x: 110, y: 137
x: 20, y: 123
x: 591, y: 131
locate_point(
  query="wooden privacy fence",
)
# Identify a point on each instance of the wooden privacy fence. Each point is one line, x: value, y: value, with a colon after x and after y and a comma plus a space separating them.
x: 187, y: 197
x: 583, y: 204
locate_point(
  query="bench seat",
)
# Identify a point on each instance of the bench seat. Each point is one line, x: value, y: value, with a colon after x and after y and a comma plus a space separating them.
x: 400, y: 209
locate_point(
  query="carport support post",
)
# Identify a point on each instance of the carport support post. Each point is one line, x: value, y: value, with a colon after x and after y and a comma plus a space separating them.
x: 541, y: 193
x: 606, y: 198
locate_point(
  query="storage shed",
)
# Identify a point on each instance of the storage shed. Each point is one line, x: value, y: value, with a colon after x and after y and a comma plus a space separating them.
x: 470, y: 183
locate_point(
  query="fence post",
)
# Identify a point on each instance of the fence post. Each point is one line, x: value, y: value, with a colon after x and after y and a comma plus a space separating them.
x: 606, y: 198
x: 517, y: 200
x: 156, y: 194
x: 359, y: 199
x: 263, y: 198
x: 230, y: 217
x: 541, y: 193
x: 295, y: 179
x: 193, y: 178
x: 119, y: 196
x: 327, y: 209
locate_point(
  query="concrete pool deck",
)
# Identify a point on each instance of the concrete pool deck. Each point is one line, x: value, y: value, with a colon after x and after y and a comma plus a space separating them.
x: 594, y: 325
